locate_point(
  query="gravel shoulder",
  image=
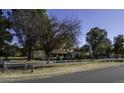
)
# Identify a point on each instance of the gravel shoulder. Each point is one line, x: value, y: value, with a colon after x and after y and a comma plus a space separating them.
x: 10, y: 75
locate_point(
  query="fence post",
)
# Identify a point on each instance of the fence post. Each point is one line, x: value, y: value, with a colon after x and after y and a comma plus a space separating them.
x: 25, y: 65
x: 32, y: 70
x: 4, y: 65
x: 0, y: 59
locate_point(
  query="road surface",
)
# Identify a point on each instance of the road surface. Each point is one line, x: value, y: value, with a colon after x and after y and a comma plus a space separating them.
x: 107, y: 75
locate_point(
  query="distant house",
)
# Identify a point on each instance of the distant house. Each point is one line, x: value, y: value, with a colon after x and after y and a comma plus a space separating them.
x: 58, y: 54
x: 40, y: 54
x: 76, y: 54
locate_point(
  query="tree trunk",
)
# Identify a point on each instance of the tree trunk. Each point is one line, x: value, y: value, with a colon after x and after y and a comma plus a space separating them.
x: 1, y: 60
x: 6, y: 58
x: 93, y: 54
x: 48, y: 59
x: 30, y: 54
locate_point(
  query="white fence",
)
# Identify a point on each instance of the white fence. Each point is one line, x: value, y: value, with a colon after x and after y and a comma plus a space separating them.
x: 6, y: 65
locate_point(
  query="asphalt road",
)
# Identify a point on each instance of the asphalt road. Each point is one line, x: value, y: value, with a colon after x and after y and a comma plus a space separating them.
x: 107, y: 75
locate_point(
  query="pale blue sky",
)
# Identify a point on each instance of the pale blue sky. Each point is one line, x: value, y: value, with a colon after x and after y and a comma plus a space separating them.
x: 111, y: 20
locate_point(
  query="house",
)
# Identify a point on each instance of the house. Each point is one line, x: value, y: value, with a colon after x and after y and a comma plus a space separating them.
x: 76, y: 55
x: 40, y: 54
x: 58, y: 54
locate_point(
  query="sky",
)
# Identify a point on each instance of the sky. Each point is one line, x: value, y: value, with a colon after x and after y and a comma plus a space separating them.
x: 111, y: 20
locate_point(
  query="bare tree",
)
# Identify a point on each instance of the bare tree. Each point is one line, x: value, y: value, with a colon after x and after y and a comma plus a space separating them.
x: 55, y: 33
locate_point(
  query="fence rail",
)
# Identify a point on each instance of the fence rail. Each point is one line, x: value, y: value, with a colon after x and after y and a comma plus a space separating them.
x: 6, y: 65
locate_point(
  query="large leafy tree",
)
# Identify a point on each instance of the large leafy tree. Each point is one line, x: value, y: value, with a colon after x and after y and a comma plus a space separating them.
x: 108, y: 47
x: 57, y: 34
x: 98, y: 41
x: 27, y: 24
x: 5, y: 36
x: 85, y: 49
x: 119, y: 44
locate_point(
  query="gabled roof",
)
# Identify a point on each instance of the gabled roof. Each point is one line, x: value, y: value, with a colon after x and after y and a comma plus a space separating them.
x: 59, y: 51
